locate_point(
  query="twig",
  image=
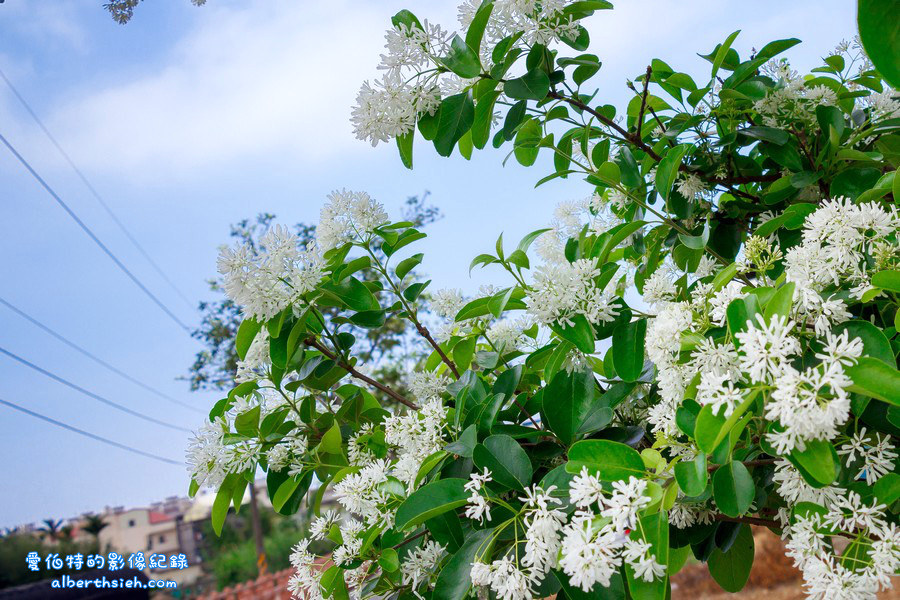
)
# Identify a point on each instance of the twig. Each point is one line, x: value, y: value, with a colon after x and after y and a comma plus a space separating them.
x: 640, y: 119
x: 314, y: 343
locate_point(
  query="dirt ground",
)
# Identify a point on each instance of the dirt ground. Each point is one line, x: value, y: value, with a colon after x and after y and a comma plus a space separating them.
x: 772, y: 577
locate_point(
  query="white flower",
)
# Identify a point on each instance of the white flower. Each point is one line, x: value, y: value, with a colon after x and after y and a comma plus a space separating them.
x: 447, y: 303
x: 585, y: 489
x: 587, y: 556
x: 564, y: 290
x: 690, y: 186
x: 478, y: 508
x: 721, y: 299
x: 320, y: 527
x: 419, y: 565
x: 878, y: 457
x: 266, y: 282
x: 659, y: 287
x: 625, y: 502
x: 427, y: 385
x: 766, y: 348
x: 506, y: 335
x: 389, y: 108
x: 348, y: 216
x: 543, y: 522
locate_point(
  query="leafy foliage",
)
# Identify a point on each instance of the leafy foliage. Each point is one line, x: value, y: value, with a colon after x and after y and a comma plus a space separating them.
x: 565, y: 435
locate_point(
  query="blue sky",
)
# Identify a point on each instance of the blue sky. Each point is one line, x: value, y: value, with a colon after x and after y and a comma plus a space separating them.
x: 189, y: 119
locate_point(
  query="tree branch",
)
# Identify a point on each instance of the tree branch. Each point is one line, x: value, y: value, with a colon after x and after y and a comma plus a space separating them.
x: 314, y: 343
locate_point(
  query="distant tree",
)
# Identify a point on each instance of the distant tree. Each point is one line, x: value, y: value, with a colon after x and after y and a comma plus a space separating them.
x: 51, y: 529
x: 122, y: 10
x: 215, y: 366
x: 94, y: 524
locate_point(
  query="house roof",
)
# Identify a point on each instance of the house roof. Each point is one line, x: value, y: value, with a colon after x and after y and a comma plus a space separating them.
x: 158, y: 517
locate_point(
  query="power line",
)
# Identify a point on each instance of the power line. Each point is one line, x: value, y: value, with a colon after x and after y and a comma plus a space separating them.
x: 93, y: 190
x: 37, y: 415
x: 90, y: 234
x: 95, y: 358
x: 90, y: 394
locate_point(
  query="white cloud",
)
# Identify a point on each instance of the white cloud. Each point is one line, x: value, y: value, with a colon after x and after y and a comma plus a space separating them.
x: 277, y: 77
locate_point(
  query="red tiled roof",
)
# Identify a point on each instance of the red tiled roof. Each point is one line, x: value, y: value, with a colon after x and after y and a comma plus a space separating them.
x: 272, y: 586
x: 158, y: 517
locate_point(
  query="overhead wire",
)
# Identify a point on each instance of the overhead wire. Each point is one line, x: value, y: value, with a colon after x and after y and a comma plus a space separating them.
x: 93, y: 190
x: 93, y: 436
x: 90, y: 394
x: 96, y: 358
x: 93, y: 236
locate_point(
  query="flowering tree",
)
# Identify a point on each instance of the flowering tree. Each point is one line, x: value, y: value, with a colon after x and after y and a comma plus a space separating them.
x: 558, y: 439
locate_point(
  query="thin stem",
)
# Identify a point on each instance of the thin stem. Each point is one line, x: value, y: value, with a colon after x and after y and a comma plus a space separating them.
x: 411, y: 314
x: 314, y: 343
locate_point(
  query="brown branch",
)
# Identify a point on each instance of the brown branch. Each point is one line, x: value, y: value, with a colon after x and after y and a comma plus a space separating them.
x: 748, y: 521
x: 766, y: 523
x: 423, y: 331
x: 640, y: 119
x: 314, y: 343
x: 627, y: 137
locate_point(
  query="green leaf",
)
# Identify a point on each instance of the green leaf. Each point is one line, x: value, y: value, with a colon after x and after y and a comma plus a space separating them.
x: 405, y: 17
x: 463, y: 352
x: 780, y: 302
x: 654, y: 528
x: 285, y: 492
x: 246, y: 333
x: 465, y: 445
x: 722, y: 53
x: 476, y: 28
x: 567, y: 401
x: 733, y: 489
x: 352, y: 293
x: 369, y: 319
x: 818, y: 460
x: 484, y: 117
x: 628, y: 349
x: 731, y: 569
x: 533, y: 85
x: 221, y: 504
x: 692, y: 475
x: 462, y: 59
x: 696, y: 242
x: 247, y: 423
x: 766, y: 134
x: 707, y: 428
x: 609, y: 173
x: 529, y: 239
x: 331, y: 441
x: 879, y: 31
x: 429, y: 501
x: 739, y: 313
x: 608, y: 460
x: 405, y: 147
x: 667, y: 171
x: 528, y: 138
x: 408, y: 265
x: 506, y: 460
x: 888, y: 280
x: 454, y: 581
x: 457, y: 113
x: 871, y: 377
x: 389, y: 560
x: 579, y: 333
x: 887, y: 489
